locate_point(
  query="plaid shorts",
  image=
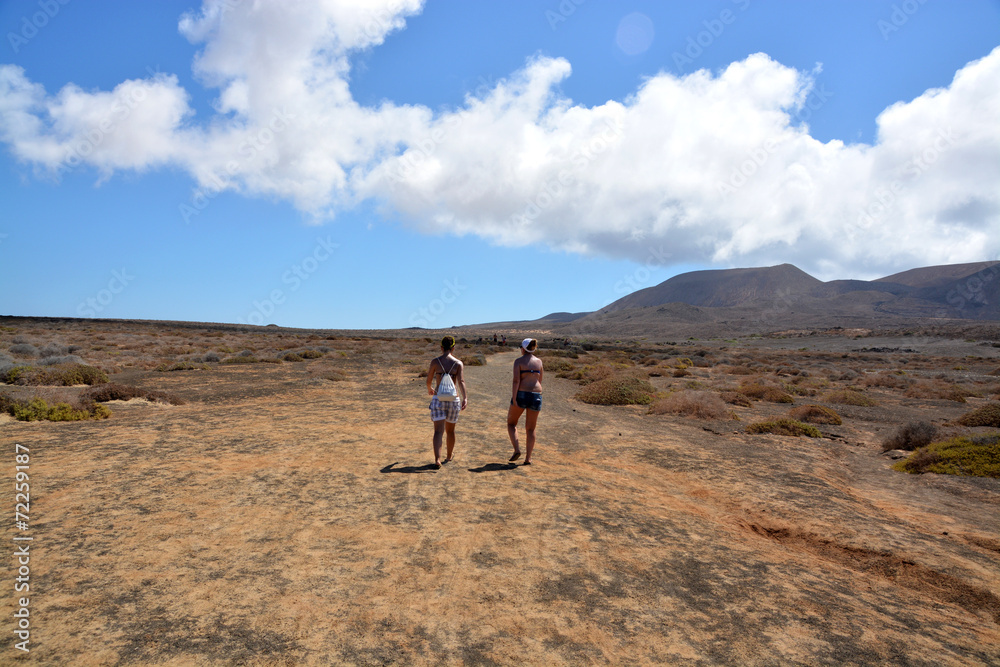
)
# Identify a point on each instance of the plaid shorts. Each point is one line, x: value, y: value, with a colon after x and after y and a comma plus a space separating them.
x: 445, y: 410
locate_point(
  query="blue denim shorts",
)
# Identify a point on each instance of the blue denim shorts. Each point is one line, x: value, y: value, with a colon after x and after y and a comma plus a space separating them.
x: 529, y: 400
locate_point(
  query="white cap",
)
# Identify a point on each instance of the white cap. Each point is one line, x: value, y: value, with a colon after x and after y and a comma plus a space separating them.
x: 525, y: 343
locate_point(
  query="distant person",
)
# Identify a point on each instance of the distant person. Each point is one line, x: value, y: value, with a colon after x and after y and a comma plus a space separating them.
x: 449, y: 399
x: 526, y: 394
x: 494, y: 339
x: 503, y: 340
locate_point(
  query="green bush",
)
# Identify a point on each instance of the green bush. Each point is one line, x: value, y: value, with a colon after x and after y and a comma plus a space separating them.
x: 784, y: 427
x: 38, y: 410
x: 971, y: 456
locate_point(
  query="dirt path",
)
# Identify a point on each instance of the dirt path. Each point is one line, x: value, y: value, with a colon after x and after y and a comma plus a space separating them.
x: 283, y: 520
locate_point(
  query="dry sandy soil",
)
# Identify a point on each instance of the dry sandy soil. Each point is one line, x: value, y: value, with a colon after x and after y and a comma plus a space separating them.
x: 279, y: 517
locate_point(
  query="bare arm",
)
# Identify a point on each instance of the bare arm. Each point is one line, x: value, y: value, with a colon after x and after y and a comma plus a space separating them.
x: 461, y: 384
x: 430, y: 378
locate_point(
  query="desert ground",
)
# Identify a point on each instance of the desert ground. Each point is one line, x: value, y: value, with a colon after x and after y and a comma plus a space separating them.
x: 284, y: 512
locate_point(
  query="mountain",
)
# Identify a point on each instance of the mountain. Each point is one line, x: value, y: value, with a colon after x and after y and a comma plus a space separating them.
x: 936, y: 276
x: 736, y: 301
x: 722, y: 288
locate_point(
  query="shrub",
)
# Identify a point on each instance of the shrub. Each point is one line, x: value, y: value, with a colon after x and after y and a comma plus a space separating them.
x: 476, y: 359
x: 212, y: 357
x: 985, y: 415
x: 736, y: 398
x: 180, y: 366
x: 622, y: 389
x: 850, y: 397
x: 784, y: 427
x: 117, y: 392
x: 64, y: 359
x: 24, y: 350
x: 741, y: 370
x: 292, y: 356
x: 766, y: 393
x: 700, y: 404
x: 310, y: 354
x: 38, y: 410
x: 975, y: 456
x: 816, y: 414
x: 61, y: 375
x: 910, y: 436
x: 557, y: 365
x: 54, y: 350
x: 940, y: 390
x: 240, y: 359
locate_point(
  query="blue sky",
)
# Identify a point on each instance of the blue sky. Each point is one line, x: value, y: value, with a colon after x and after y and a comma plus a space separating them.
x: 452, y: 162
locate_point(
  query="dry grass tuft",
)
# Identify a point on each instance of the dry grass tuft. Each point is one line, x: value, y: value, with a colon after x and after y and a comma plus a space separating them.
x: 699, y: 404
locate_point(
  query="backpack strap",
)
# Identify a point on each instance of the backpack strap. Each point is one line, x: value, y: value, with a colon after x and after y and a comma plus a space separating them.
x: 441, y: 364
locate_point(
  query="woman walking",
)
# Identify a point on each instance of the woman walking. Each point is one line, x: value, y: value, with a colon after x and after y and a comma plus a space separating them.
x: 526, y: 394
x: 446, y: 404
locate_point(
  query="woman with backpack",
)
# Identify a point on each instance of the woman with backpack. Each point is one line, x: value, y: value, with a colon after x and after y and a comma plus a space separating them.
x: 526, y: 394
x: 446, y: 404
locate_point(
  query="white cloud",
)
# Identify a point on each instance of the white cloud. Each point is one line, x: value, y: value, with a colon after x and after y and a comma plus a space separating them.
x: 713, y: 167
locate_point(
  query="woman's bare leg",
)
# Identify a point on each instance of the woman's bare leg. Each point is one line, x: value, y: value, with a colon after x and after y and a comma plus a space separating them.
x: 513, y: 414
x: 438, y: 433
x: 529, y: 429
x: 449, y: 430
